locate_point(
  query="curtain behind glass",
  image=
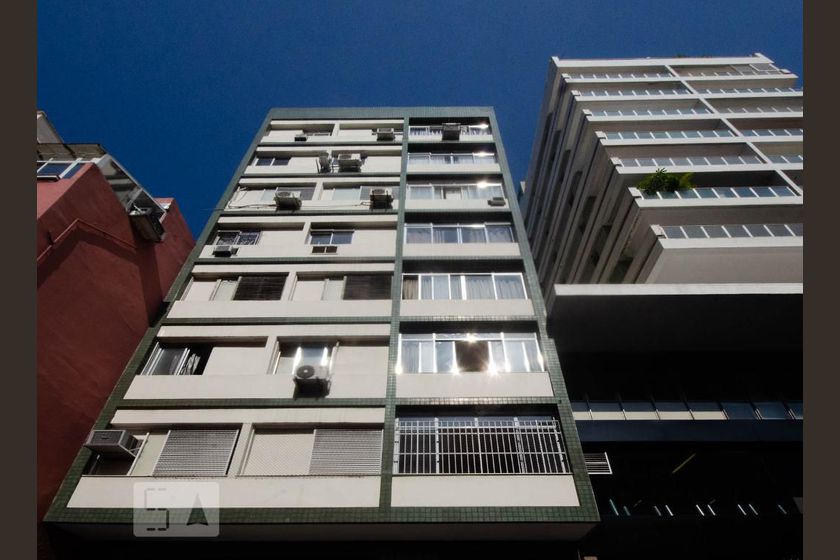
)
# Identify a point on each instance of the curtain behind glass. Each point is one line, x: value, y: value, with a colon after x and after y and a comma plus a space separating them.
x: 410, y: 356
x: 409, y: 287
x: 473, y: 235
x: 509, y: 286
x: 480, y: 286
x: 421, y: 234
x: 499, y: 234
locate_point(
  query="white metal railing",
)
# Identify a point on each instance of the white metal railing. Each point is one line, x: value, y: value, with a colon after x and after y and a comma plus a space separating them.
x: 650, y: 112
x: 733, y: 231
x: 619, y: 75
x: 633, y: 92
x: 452, y: 158
x: 778, y: 132
x: 782, y: 158
x: 686, y: 161
x: 750, y: 90
x: 743, y: 72
x: 668, y: 134
x: 437, y: 130
x: 765, y: 109
x: 486, y: 445
x: 723, y: 192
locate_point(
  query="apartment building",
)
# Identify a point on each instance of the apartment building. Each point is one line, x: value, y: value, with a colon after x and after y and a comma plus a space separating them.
x: 677, y: 312
x: 107, y: 252
x: 356, y: 350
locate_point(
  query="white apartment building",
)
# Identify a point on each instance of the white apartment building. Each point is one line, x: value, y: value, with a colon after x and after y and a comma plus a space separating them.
x: 356, y: 349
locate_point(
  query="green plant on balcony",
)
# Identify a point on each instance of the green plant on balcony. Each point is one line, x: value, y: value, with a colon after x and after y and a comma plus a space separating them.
x: 660, y: 180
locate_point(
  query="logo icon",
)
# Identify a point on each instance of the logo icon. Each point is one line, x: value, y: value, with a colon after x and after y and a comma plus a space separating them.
x: 176, y: 509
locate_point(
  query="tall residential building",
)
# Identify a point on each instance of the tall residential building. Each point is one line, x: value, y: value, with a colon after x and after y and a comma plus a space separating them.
x: 356, y: 350
x: 677, y: 313
x: 107, y: 252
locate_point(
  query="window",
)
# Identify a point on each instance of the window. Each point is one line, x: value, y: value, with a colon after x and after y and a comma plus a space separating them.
x: 194, y: 453
x: 469, y: 353
x: 483, y: 445
x: 455, y: 191
x: 235, y: 237
x: 359, y: 193
x: 250, y: 288
x: 167, y: 359
x: 452, y: 158
x: 349, y: 287
x: 292, y: 355
x: 330, y: 236
x: 57, y: 169
x: 265, y: 161
x: 463, y: 286
x: 459, y: 233
x: 319, y: 451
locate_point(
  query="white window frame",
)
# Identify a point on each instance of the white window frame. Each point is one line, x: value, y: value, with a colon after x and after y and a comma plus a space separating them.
x: 463, y: 282
x: 329, y: 353
x: 239, y: 233
x: 493, y: 368
x: 483, y: 226
x: 332, y: 232
x: 154, y: 359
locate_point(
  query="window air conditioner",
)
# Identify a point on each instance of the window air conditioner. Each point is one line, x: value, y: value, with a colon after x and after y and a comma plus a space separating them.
x: 224, y: 250
x: 300, y: 137
x: 385, y: 134
x: 451, y: 131
x: 380, y: 198
x: 312, y: 377
x: 287, y: 200
x: 349, y: 162
x: 496, y: 201
x: 147, y: 224
x: 117, y: 443
x: 324, y: 249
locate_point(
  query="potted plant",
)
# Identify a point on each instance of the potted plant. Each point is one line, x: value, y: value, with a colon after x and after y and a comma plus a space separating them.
x: 662, y: 181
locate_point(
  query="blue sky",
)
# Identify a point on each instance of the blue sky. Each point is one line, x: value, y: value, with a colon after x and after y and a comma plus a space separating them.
x: 176, y: 89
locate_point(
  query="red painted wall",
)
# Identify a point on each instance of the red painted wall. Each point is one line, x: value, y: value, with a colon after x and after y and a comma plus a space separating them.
x: 99, y: 286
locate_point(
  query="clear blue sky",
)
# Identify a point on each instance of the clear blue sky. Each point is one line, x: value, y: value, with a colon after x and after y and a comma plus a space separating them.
x: 176, y: 89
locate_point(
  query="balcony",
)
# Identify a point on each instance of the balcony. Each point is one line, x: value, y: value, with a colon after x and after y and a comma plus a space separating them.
x: 669, y: 134
x: 435, y: 132
x: 619, y: 75
x: 732, y: 231
x: 670, y: 162
x: 785, y: 133
x: 644, y: 112
x: 634, y: 92
x: 727, y: 193
x: 749, y: 90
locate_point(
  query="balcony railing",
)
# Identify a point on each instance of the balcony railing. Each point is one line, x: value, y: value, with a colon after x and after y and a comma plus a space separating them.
x: 751, y: 90
x: 477, y: 158
x: 782, y: 158
x: 669, y: 134
x: 466, y: 130
x: 690, y: 161
x: 733, y: 231
x: 634, y: 92
x: 722, y: 192
x: 689, y: 410
x: 777, y: 132
x: 742, y: 72
x: 763, y: 110
x: 650, y: 112
x: 619, y: 75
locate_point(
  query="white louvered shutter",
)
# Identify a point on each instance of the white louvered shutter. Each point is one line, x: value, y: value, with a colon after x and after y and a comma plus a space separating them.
x: 346, y: 452
x: 196, y: 453
x: 597, y: 463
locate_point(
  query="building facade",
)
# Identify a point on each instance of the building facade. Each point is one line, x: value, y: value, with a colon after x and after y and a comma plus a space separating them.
x: 355, y: 350
x: 102, y: 276
x: 677, y: 312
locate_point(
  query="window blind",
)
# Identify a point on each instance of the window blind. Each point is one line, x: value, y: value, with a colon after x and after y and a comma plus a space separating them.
x: 260, y: 287
x: 195, y: 453
x: 367, y: 286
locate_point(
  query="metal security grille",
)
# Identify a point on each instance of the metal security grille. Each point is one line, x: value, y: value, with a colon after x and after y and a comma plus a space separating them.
x: 196, y: 453
x: 344, y: 452
x: 260, y: 287
x: 486, y: 445
x: 597, y: 463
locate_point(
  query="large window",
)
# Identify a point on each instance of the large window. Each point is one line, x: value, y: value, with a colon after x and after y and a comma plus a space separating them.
x: 357, y: 193
x: 469, y: 353
x: 483, y: 445
x: 455, y: 191
x: 292, y: 355
x: 237, y: 237
x: 463, y: 286
x: 250, y: 288
x: 459, y: 233
x: 452, y: 158
x: 170, y: 359
x: 270, y: 161
x: 330, y: 236
x: 339, y: 287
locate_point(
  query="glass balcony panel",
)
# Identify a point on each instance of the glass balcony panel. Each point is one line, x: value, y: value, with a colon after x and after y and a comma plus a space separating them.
x: 738, y: 410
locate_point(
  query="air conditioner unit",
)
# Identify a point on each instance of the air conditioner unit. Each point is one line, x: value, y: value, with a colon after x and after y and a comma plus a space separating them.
x: 147, y: 224
x: 300, y: 137
x: 496, y: 201
x: 324, y: 249
x: 349, y: 162
x: 324, y: 162
x: 117, y: 443
x: 385, y: 134
x: 287, y: 200
x: 451, y: 131
x: 380, y: 198
x: 309, y: 377
x: 224, y: 250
